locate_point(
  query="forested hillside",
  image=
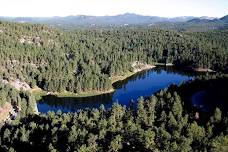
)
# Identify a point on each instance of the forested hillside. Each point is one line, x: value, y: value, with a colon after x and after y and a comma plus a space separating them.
x: 85, y: 59
x: 159, y: 123
x: 14, y: 103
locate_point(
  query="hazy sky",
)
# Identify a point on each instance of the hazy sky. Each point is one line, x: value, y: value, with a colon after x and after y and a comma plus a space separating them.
x: 164, y: 8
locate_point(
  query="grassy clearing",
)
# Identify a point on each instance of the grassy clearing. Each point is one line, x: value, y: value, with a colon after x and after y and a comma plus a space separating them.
x: 121, y: 77
x: 83, y: 94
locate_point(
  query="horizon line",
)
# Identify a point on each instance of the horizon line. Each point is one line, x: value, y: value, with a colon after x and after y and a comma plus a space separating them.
x: 109, y: 15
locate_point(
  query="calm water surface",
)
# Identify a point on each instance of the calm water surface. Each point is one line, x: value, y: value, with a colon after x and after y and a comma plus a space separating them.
x: 142, y: 84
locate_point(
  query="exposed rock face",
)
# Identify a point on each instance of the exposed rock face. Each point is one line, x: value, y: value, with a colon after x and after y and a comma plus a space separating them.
x: 5, y: 82
x: 22, y: 40
x: 30, y: 40
x: 10, y: 110
x: 138, y: 66
x: 17, y: 84
x: 20, y: 85
x: 6, y: 111
x: 15, y: 63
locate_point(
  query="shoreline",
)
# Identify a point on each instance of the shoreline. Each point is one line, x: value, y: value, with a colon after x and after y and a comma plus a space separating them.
x: 203, y: 70
x: 39, y: 92
x: 83, y: 94
x: 115, y: 79
x: 199, y: 69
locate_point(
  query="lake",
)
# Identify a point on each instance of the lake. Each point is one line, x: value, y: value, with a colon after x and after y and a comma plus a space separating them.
x: 144, y: 83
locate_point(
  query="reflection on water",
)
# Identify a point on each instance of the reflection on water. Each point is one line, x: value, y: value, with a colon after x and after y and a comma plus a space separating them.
x: 141, y: 84
x: 198, y: 101
x: 207, y: 101
x: 72, y: 104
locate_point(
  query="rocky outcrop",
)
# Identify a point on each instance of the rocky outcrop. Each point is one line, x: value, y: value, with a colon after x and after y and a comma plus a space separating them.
x: 19, y: 85
x: 10, y: 109
x: 30, y: 40
x: 138, y: 66
x: 7, y: 113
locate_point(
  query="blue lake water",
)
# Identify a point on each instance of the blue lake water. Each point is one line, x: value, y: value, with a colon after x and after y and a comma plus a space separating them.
x: 141, y: 84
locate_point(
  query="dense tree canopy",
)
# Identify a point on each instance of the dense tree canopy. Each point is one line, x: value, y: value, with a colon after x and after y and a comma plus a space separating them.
x: 84, y: 59
x: 159, y: 123
x: 22, y: 101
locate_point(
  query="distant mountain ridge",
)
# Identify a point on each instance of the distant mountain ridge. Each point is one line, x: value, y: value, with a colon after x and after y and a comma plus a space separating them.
x: 206, y: 19
x: 224, y: 19
x: 117, y: 20
x: 127, y: 18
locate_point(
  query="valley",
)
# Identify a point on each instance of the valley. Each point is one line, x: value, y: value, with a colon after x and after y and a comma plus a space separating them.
x: 134, y: 88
